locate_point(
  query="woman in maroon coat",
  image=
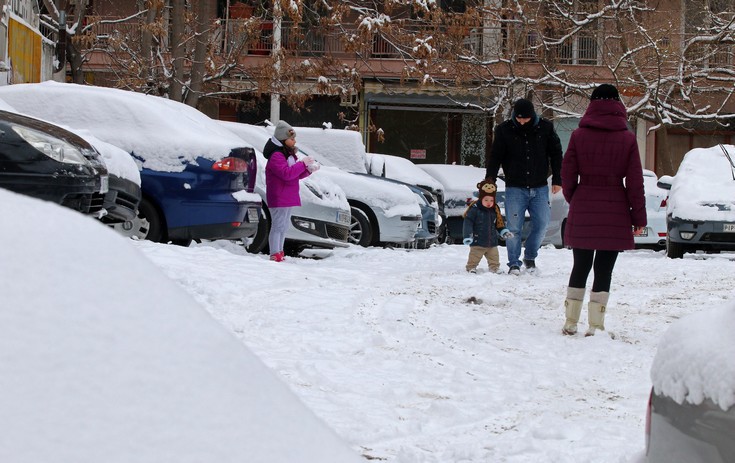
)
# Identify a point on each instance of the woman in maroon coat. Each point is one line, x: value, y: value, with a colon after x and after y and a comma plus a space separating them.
x: 602, y: 181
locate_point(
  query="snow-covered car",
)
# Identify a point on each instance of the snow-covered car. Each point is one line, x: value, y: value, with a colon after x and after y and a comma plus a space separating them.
x: 95, y: 370
x: 120, y: 202
x: 45, y: 161
x: 700, y: 209
x: 193, y: 181
x: 654, y: 234
x: 322, y: 221
x: 405, y: 171
x: 382, y: 212
x: 691, y: 410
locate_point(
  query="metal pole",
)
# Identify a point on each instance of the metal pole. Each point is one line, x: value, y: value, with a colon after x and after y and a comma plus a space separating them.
x: 227, y: 27
x: 276, y: 53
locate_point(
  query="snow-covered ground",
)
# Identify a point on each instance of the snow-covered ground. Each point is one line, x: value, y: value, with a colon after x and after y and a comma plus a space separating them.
x: 410, y: 359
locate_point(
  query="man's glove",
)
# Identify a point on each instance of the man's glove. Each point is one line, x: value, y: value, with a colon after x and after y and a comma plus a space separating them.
x: 467, y: 241
x: 505, y: 234
x: 313, y: 167
x: 308, y: 160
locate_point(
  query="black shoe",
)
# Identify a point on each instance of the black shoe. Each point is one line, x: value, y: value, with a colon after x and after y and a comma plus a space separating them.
x: 514, y: 270
x: 528, y: 263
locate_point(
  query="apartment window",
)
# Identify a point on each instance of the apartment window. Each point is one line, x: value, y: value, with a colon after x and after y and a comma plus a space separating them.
x: 705, y: 18
x: 583, y: 47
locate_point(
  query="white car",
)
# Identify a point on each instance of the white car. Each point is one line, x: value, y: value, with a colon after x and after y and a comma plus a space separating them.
x: 107, y: 359
x: 700, y: 211
x: 322, y: 221
x: 655, y: 233
x: 383, y: 212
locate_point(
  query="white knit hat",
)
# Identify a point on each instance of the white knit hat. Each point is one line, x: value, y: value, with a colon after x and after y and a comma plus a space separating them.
x: 284, y: 131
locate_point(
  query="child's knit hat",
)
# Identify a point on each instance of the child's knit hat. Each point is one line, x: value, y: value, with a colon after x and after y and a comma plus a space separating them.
x: 486, y: 188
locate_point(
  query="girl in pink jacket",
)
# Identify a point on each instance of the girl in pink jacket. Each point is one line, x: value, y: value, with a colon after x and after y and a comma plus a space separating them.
x: 282, y: 174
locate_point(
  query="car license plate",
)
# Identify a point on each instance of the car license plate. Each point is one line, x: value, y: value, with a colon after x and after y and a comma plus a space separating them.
x: 343, y: 217
x: 104, y: 184
x: 644, y: 232
x: 729, y: 227
x: 253, y: 215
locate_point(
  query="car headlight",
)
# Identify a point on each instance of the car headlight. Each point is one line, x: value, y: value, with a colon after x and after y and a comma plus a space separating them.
x: 55, y: 148
x: 687, y: 235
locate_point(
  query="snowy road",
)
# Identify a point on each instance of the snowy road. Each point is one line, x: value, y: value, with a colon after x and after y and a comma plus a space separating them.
x: 410, y: 359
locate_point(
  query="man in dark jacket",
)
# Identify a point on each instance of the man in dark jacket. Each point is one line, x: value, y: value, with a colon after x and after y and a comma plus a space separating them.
x: 526, y: 146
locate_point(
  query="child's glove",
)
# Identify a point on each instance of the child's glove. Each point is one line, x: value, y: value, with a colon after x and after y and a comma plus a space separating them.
x: 313, y: 167
x: 467, y: 241
x: 308, y: 160
x: 505, y: 234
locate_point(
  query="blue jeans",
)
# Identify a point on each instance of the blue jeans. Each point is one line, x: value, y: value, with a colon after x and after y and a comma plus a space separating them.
x: 517, y: 202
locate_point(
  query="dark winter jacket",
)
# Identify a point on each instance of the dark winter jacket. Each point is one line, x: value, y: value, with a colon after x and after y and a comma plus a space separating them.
x: 282, y: 174
x: 526, y: 152
x: 602, y: 180
x: 482, y: 224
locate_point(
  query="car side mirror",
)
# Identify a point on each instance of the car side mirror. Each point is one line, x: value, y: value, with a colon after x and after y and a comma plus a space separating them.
x: 665, y: 182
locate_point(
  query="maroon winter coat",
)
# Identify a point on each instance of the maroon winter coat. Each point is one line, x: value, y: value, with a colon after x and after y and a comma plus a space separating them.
x: 602, y: 180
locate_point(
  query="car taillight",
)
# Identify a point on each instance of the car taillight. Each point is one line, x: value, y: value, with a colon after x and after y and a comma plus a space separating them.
x: 663, y: 204
x: 231, y: 165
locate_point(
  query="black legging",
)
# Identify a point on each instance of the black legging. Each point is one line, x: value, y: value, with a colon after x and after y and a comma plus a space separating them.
x: 604, y: 262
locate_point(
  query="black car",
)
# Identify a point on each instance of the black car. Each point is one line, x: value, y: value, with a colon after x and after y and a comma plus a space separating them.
x: 47, y: 162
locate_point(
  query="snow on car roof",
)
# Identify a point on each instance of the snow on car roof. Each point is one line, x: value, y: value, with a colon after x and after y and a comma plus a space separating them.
x: 694, y: 360
x: 165, y: 133
x: 334, y: 147
x: 117, y: 161
x: 703, y: 187
x: 405, y: 170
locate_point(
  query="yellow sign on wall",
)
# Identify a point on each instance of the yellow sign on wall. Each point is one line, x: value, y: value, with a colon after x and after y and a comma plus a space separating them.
x: 24, y: 51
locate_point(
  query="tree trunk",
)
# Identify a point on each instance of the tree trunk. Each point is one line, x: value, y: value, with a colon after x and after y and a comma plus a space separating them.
x: 203, y: 24
x: 147, y: 52
x: 178, y: 50
x: 664, y: 163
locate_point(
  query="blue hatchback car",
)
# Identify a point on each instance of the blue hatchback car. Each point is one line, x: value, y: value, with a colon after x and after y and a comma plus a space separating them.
x: 194, y: 174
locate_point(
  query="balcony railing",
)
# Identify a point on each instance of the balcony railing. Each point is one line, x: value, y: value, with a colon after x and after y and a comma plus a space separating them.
x: 488, y: 42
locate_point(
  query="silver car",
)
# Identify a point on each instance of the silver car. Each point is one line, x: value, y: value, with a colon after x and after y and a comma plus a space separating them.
x: 322, y: 221
x: 691, y: 411
x: 383, y: 212
x: 700, y: 210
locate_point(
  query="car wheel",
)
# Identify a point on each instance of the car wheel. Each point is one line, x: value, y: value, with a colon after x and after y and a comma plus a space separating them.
x: 260, y: 240
x: 145, y: 226
x: 674, y: 250
x: 360, y: 229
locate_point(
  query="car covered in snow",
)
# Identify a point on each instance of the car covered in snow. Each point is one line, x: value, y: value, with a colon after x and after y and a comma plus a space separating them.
x: 322, y: 221
x: 654, y: 235
x: 193, y: 173
x: 106, y: 359
x: 382, y: 212
x: 403, y: 170
x: 700, y: 209
x: 45, y: 161
x: 691, y: 410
